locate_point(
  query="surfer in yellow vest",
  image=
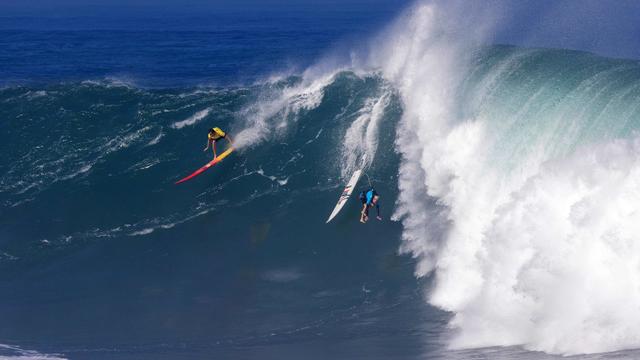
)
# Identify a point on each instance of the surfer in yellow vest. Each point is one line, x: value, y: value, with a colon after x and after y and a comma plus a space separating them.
x: 214, y: 135
x: 369, y: 199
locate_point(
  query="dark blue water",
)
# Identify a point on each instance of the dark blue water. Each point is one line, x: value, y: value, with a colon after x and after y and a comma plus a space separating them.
x: 212, y: 49
x: 102, y: 257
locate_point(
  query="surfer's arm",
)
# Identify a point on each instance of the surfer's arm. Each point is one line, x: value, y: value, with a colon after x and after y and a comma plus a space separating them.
x: 378, y: 211
x: 208, y: 144
x: 229, y: 140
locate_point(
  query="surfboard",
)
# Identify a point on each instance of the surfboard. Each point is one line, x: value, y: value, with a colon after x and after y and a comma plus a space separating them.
x: 348, y: 189
x: 207, y: 165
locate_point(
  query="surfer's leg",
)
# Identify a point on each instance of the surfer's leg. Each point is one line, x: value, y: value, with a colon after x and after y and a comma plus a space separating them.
x: 366, y: 213
x: 363, y: 213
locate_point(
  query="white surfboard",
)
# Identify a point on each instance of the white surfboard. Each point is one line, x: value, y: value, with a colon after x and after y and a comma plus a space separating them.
x: 346, y: 193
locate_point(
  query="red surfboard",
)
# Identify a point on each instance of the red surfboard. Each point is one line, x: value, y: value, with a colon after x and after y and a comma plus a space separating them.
x: 206, y: 166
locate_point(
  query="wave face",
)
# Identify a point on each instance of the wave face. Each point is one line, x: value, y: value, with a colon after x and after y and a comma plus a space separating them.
x: 102, y: 256
x: 519, y: 187
x: 86, y: 142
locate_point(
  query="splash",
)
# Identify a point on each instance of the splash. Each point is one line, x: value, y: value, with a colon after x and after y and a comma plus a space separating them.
x: 271, y: 115
x: 193, y: 119
x: 518, y: 185
x: 361, y: 137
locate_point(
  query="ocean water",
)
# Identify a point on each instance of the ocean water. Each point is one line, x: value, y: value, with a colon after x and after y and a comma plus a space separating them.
x: 509, y: 183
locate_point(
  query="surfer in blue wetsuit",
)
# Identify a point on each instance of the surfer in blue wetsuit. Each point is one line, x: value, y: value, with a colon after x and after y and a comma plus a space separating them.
x: 214, y: 135
x: 369, y: 199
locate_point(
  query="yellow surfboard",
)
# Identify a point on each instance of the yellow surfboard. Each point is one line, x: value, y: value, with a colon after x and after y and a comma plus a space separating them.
x: 207, y: 165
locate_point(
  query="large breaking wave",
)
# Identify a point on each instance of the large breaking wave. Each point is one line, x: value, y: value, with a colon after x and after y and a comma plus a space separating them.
x: 518, y: 177
x: 519, y: 187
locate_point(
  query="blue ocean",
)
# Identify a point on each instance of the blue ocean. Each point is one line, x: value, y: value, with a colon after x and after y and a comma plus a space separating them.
x: 509, y: 182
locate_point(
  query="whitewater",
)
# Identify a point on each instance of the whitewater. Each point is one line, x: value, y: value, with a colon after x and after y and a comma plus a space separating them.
x: 519, y: 187
x: 510, y: 175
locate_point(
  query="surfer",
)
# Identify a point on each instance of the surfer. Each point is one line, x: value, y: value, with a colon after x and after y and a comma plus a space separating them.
x: 369, y: 199
x: 214, y: 135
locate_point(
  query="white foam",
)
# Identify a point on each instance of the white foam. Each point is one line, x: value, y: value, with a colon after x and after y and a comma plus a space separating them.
x: 156, y: 139
x: 269, y: 118
x: 191, y: 120
x: 16, y: 353
x: 561, y: 258
x: 280, y: 182
x: 146, y: 231
x: 546, y: 255
x: 36, y: 94
x: 283, y: 182
x: 362, y: 135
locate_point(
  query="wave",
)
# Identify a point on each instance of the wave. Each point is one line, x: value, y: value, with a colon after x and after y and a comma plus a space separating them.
x: 279, y: 103
x: 517, y: 186
x: 516, y: 177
